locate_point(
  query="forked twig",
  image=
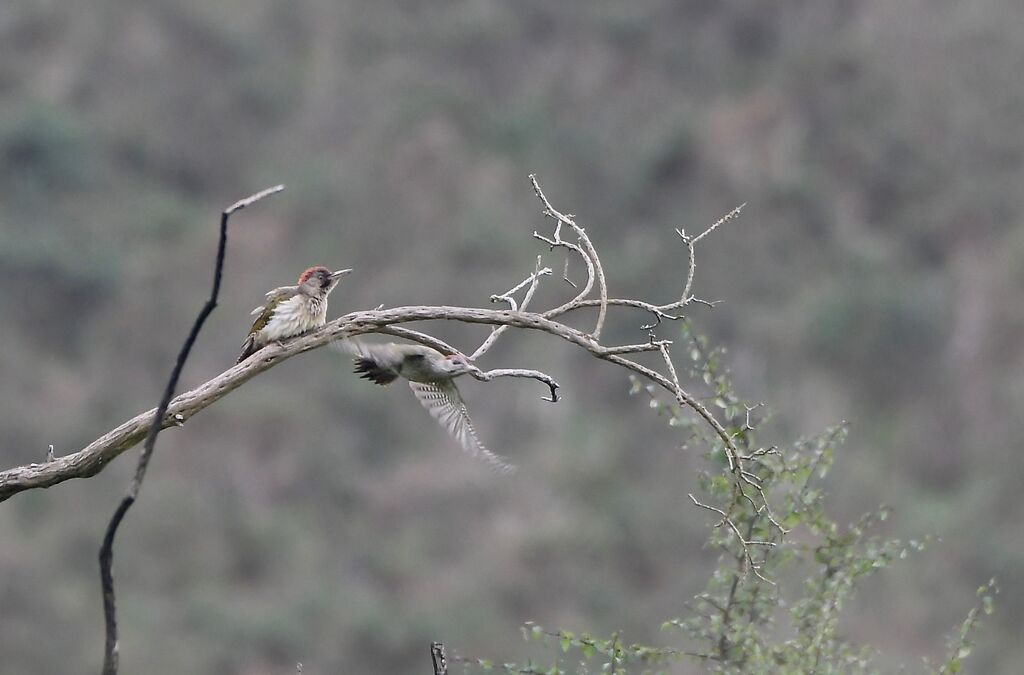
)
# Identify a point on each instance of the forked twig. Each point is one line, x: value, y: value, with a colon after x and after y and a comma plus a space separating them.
x: 509, y: 296
x: 589, y: 253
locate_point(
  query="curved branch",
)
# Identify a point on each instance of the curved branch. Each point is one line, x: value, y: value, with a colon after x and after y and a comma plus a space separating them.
x: 588, y: 253
x: 95, y: 456
x: 488, y: 375
x: 415, y: 336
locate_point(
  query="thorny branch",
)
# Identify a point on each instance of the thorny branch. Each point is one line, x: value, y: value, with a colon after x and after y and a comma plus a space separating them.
x: 106, y: 555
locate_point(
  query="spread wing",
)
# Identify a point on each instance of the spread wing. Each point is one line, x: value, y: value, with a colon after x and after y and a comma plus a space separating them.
x: 442, y: 401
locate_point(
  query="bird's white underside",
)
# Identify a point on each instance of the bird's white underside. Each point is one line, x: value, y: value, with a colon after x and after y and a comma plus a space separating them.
x: 297, y: 314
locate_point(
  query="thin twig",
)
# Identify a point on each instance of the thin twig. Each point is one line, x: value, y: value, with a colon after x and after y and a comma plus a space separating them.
x: 565, y: 274
x: 508, y: 296
x: 591, y: 274
x: 721, y: 221
x: 663, y: 348
x: 692, y: 268
x: 106, y: 554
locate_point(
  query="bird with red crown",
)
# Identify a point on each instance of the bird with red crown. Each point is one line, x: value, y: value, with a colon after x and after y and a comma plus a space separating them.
x: 292, y: 310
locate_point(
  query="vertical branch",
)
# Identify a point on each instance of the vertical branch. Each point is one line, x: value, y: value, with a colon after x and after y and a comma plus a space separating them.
x: 692, y: 267
x: 111, y: 651
x: 439, y: 658
x: 588, y: 248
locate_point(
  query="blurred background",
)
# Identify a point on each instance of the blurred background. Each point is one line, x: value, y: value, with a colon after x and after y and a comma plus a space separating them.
x: 874, y: 277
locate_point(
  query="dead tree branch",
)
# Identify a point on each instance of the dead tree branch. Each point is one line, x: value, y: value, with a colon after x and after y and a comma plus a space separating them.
x: 588, y: 253
x: 106, y: 554
x: 746, y: 486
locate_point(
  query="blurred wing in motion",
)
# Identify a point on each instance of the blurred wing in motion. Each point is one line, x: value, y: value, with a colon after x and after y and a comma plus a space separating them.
x: 348, y: 346
x: 379, y: 364
x: 442, y: 401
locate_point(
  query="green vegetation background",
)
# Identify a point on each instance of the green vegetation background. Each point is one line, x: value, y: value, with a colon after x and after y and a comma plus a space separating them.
x: 874, y: 277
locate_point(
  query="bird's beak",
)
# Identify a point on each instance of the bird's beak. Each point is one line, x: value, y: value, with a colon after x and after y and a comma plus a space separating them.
x: 339, y: 274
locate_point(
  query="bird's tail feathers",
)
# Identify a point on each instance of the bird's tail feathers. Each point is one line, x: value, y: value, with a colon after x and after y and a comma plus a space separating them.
x: 368, y: 369
x: 248, y: 349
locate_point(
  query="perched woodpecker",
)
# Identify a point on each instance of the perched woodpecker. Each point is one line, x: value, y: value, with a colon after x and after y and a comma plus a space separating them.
x: 292, y: 310
x: 430, y: 374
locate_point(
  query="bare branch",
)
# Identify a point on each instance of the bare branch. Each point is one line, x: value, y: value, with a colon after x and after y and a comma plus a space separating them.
x: 508, y: 296
x: 94, y: 457
x: 663, y: 348
x: 565, y: 274
x: 488, y: 375
x: 417, y: 336
x: 593, y: 262
x: 692, y: 269
x: 721, y: 221
x: 533, y: 280
x: 106, y: 554
x: 585, y: 291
